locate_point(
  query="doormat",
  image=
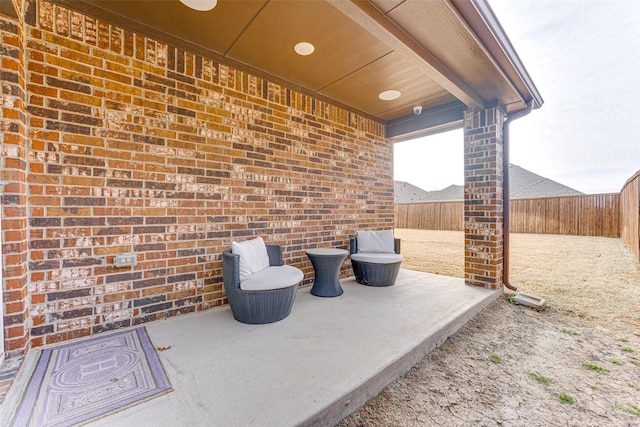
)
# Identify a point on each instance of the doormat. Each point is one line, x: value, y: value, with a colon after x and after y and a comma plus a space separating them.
x: 79, y: 382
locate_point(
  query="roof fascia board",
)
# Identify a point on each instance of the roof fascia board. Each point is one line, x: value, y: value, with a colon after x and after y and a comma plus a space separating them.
x: 495, y: 39
x: 435, y: 120
x: 498, y: 69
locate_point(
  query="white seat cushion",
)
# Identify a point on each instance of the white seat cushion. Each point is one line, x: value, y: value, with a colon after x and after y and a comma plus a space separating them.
x: 376, y: 241
x: 253, y: 256
x: 276, y: 277
x: 377, y: 258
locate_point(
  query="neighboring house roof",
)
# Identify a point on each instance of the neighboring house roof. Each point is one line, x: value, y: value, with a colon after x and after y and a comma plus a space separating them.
x: 407, y: 193
x: 452, y: 192
x: 523, y: 184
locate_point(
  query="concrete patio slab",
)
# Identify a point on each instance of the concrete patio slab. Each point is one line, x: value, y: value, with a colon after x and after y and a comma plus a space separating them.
x: 313, y: 368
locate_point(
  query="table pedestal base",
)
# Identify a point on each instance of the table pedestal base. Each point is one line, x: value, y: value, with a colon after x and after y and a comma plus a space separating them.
x: 326, y: 264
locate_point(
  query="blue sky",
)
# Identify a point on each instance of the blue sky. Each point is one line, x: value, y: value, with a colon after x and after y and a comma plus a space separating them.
x: 584, y: 57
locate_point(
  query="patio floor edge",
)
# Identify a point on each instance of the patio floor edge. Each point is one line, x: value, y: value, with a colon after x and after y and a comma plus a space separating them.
x: 358, y: 396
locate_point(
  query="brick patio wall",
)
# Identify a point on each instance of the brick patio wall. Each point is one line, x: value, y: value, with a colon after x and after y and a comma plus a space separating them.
x: 13, y: 199
x: 483, y: 196
x: 137, y: 146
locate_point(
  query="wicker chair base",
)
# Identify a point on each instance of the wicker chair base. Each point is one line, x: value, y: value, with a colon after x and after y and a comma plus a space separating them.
x: 374, y: 274
x: 256, y: 307
x: 259, y: 307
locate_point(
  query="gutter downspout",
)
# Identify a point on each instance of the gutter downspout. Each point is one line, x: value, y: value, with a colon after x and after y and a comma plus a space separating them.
x: 505, y: 188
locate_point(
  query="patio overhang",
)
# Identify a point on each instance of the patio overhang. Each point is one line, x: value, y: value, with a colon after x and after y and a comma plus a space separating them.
x: 437, y: 54
x: 148, y: 127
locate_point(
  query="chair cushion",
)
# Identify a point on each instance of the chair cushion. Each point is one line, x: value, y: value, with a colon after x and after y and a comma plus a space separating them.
x: 377, y: 258
x: 253, y: 256
x: 276, y: 277
x: 376, y: 241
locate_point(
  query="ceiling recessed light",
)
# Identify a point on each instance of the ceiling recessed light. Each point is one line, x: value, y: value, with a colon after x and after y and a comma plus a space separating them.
x: 201, y: 5
x: 389, y: 95
x: 304, y: 48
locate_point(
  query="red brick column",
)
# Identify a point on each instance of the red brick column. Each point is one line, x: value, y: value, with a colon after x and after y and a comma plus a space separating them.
x: 483, y: 196
x: 13, y: 171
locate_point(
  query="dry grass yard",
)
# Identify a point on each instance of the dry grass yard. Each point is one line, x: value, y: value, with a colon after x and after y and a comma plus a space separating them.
x: 594, y: 278
x: 577, y: 363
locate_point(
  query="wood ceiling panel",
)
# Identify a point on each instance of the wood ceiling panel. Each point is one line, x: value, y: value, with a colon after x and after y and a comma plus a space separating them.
x: 392, y: 71
x: 6, y: 8
x: 342, y: 46
x: 216, y: 29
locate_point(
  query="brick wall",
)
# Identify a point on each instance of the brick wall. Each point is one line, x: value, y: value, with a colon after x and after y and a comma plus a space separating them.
x: 483, y: 196
x: 138, y: 146
x: 13, y: 170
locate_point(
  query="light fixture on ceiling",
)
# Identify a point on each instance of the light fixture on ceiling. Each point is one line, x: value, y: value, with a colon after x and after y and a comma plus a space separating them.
x: 389, y: 95
x: 200, y: 5
x: 304, y: 48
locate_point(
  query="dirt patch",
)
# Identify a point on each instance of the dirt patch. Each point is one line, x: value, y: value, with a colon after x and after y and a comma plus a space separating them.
x: 577, y: 363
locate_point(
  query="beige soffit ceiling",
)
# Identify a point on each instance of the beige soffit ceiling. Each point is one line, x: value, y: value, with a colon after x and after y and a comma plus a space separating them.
x: 7, y: 8
x: 428, y: 50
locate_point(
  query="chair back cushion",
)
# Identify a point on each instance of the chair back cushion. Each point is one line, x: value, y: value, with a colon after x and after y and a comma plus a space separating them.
x: 376, y: 241
x: 253, y: 256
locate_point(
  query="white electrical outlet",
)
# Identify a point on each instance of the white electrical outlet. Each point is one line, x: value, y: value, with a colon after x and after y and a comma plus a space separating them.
x: 128, y: 259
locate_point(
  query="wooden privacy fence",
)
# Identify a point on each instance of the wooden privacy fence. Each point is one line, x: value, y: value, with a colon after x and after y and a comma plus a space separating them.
x: 430, y: 215
x: 588, y: 215
x: 630, y: 214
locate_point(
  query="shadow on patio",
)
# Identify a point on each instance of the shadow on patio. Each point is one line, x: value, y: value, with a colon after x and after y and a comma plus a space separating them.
x: 313, y: 368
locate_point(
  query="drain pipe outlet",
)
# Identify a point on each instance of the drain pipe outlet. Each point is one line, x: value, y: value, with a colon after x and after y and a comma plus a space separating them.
x: 506, y: 198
